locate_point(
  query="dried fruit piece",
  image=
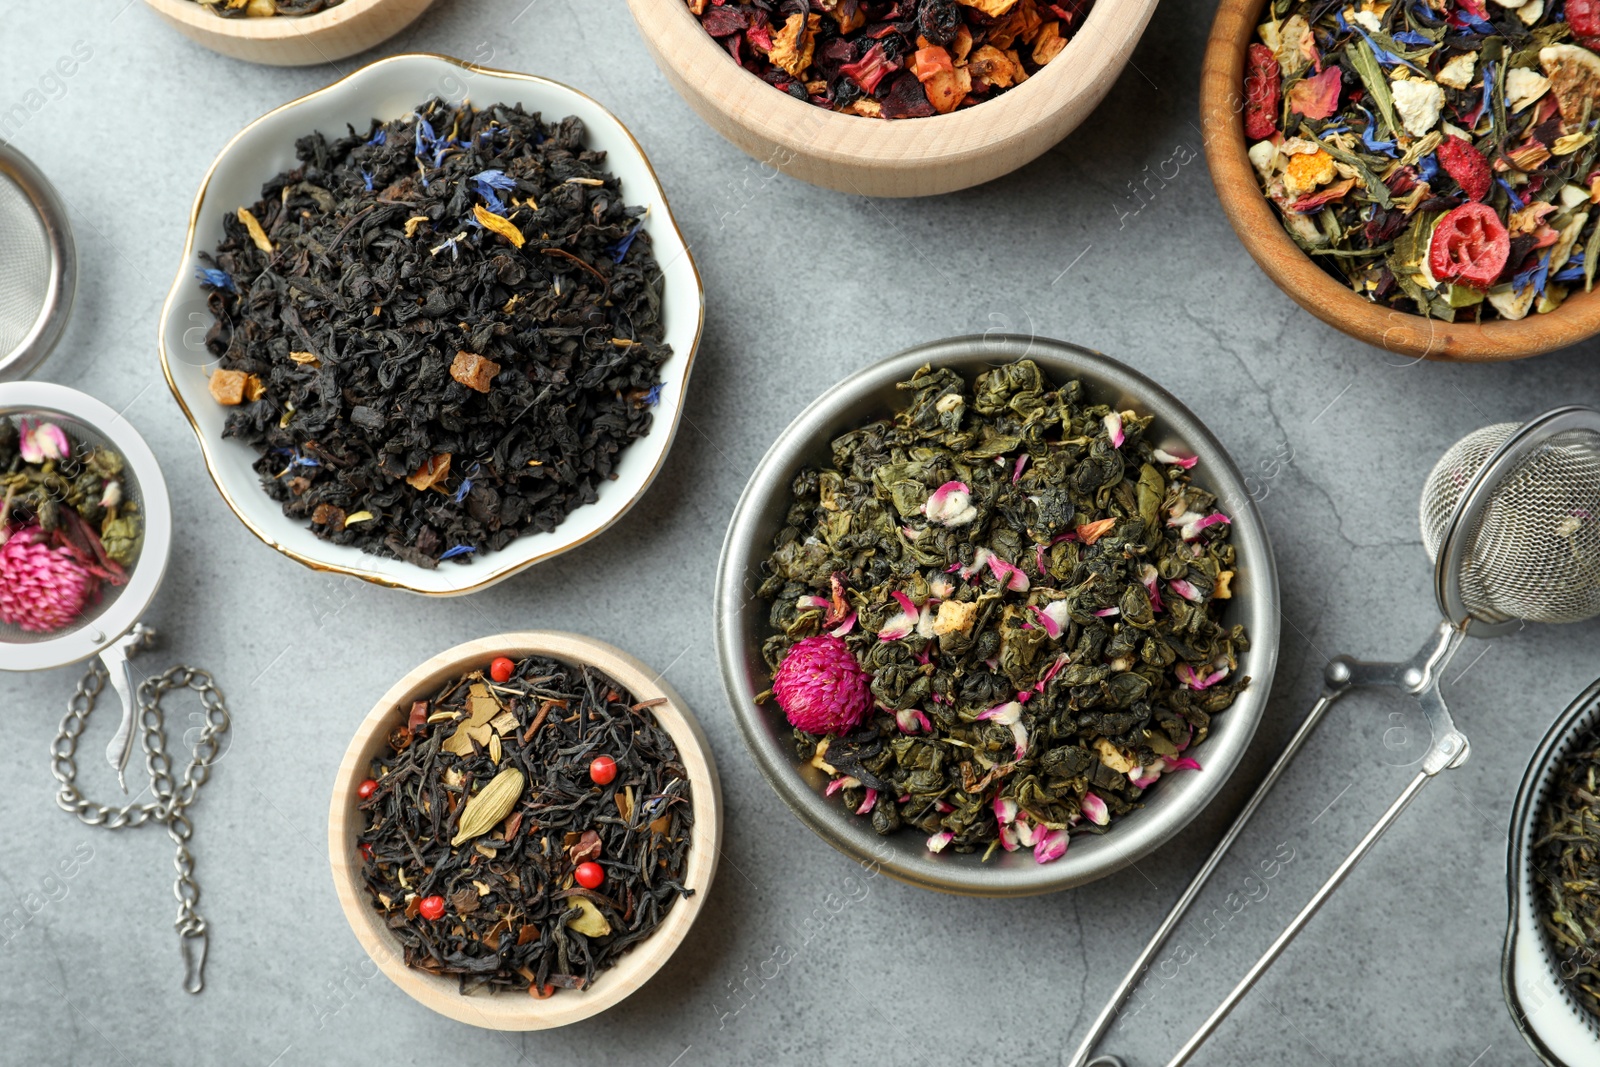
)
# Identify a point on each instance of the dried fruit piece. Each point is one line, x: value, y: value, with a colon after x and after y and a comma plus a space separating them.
x: 227, y: 387
x: 474, y: 371
x: 1469, y: 246
x: 1574, y: 75
x: 1467, y: 166
x: 1262, y: 82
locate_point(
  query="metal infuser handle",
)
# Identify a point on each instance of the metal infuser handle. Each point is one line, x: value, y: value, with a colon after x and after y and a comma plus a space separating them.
x: 171, y: 799
x: 1418, y: 676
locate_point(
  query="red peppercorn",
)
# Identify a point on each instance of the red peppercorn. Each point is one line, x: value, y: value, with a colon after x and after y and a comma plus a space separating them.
x: 430, y: 907
x: 366, y: 851
x: 590, y: 875
x: 603, y: 770
x: 366, y: 789
x: 500, y: 669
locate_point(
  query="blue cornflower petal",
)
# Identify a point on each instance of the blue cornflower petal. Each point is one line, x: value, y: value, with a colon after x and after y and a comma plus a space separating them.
x: 1369, y: 139
x: 653, y: 397
x: 1488, y: 86
x: 217, y: 279
x: 627, y: 242
x: 1537, y: 274
x: 489, y: 184
x: 1412, y: 37
x: 460, y: 494
x: 425, y: 135
x: 379, y: 138
x: 456, y: 550
x: 1516, y: 201
x: 1428, y: 167
x: 366, y: 178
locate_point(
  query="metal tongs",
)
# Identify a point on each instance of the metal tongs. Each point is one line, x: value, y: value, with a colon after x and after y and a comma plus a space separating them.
x: 1418, y: 676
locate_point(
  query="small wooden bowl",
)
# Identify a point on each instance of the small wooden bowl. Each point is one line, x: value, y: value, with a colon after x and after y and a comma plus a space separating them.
x: 293, y: 41
x: 899, y: 157
x: 1261, y: 230
x: 507, y: 1010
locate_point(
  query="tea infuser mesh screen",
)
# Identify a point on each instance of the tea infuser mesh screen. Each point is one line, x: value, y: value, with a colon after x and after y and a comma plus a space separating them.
x: 25, y: 259
x: 83, y: 438
x: 1534, y: 551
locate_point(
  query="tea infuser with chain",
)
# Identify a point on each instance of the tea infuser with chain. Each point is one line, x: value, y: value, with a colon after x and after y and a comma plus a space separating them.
x: 1511, y: 518
x: 38, y: 265
x: 108, y: 632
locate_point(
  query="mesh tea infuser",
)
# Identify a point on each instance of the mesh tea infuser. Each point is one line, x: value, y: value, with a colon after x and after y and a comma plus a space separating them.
x: 1559, y: 1030
x: 38, y: 265
x: 1511, y: 518
x: 108, y: 632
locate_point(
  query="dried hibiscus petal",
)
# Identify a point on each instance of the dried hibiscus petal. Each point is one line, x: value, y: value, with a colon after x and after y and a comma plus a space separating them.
x: 1261, y: 85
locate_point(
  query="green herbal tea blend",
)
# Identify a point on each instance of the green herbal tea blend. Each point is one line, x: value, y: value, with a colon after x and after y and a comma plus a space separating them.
x: 439, y: 334
x: 526, y: 827
x: 237, y: 9
x: 893, y: 59
x: 1438, y: 156
x: 67, y: 530
x: 998, y: 613
x: 1566, y: 871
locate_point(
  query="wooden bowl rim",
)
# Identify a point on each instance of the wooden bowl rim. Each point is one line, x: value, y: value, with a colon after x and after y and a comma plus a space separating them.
x: 807, y: 129
x: 1261, y: 232
x: 270, y: 30
x: 508, y: 1010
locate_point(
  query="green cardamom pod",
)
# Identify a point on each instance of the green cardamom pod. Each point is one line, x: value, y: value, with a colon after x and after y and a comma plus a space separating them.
x: 492, y: 803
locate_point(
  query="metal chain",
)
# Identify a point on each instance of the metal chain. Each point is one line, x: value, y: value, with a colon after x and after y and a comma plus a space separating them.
x: 171, y: 800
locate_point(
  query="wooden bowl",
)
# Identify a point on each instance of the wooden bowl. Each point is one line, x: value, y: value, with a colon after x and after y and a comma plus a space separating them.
x: 1261, y: 230
x: 511, y: 1010
x: 291, y: 41
x: 899, y: 157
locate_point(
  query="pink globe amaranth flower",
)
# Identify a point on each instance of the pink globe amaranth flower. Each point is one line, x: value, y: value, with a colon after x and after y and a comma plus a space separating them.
x: 42, y: 589
x: 821, y: 687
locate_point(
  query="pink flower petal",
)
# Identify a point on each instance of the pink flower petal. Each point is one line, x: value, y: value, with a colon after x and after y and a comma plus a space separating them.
x: 1027, y: 833
x: 944, y: 806
x: 1055, y: 668
x: 937, y: 842
x: 1183, y: 763
x: 1004, y: 714
x: 1019, y: 733
x: 1008, y: 837
x: 901, y: 625
x: 910, y: 721
x: 1016, y: 473
x: 1005, y: 810
x: 1049, y: 846
x: 1012, y: 577
x: 1051, y: 626
x: 1147, y: 577
x: 1186, y: 589
x: 846, y: 626
x: 907, y: 605
x: 1216, y: 518
x: 1106, y: 613
x: 842, y: 782
x: 1094, y: 809
x: 1161, y: 455
x: 950, y: 505
x: 1145, y: 777
x: 1113, y: 423
x: 868, y: 804
x: 807, y: 603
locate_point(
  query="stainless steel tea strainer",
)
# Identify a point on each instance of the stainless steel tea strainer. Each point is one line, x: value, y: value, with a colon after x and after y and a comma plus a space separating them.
x: 1511, y: 518
x: 1558, y: 1029
x: 110, y: 630
x: 38, y: 265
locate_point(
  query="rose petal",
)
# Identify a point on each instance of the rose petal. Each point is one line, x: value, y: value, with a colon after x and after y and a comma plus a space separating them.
x: 1004, y: 714
x: 937, y: 842
x: 1005, y: 810
x: 1182, y: 763
x: 1094, y: 809
x: 1049, y: 846
x: 1186, y: 589
x: 1016, y: 473
x: 870, y: 802
x: 842, y: 782
x: 910, y: 720
x: 1147, y: 577
x: 1161, y: 455
x: 1113, y: 423
x: 950, y: 505
x: 1050, y: 625
x: 1013, y: 578
x: 846, y: 626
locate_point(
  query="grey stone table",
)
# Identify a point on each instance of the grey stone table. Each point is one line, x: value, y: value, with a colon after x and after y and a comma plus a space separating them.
x: 1109, y: 240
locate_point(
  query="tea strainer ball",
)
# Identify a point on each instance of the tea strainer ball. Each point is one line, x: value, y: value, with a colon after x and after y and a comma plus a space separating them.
x: 1510, y: 518
x: 38, y: 266
x: 108, y: 627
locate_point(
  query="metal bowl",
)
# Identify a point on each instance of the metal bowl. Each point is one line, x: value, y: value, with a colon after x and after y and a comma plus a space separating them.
x: 742, y: 625
x: 1561, y: 1032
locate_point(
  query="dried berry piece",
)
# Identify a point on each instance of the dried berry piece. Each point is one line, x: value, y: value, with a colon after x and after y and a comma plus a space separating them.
x: 1470, y: 246
x: 1467, y: 166
x: 1261, y: 86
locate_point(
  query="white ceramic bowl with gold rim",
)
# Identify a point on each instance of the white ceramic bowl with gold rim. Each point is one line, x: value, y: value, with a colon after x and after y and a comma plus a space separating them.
x: 386, y: 90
